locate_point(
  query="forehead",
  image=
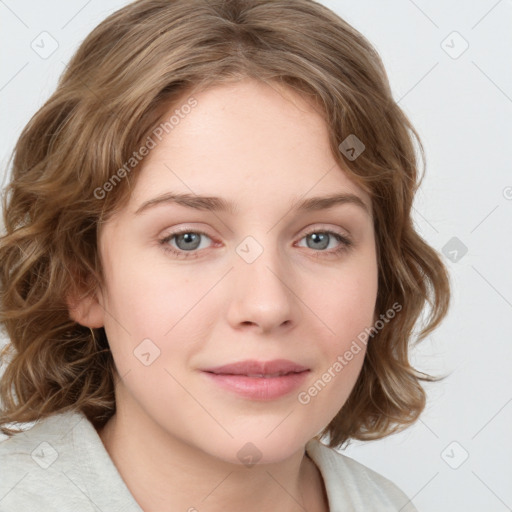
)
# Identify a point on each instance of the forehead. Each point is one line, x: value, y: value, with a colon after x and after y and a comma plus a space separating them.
x: 248, y: 142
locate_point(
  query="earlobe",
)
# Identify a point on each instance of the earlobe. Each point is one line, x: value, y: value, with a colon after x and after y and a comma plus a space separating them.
x: 86, y: 311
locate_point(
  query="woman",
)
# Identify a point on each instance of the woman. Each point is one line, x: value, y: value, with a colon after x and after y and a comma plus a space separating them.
x: 178, y: 336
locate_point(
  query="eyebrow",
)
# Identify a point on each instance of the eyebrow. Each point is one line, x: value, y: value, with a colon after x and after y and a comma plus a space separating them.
x: 210, y: 203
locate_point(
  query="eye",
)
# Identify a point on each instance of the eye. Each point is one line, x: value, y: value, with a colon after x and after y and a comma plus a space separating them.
x: 186, y: 242
x: 189, y: 243
x: 321, y: 240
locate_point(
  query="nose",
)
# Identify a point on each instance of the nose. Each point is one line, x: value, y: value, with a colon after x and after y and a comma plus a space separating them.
x: 262, y: 296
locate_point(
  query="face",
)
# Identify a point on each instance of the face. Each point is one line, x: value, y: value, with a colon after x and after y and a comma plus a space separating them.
x: 194, y: 287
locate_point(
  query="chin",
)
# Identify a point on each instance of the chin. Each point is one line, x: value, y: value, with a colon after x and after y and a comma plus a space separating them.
x: 250, y: 449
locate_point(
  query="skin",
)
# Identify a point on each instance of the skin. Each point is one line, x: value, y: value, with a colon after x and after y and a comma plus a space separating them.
x: 175, y: 435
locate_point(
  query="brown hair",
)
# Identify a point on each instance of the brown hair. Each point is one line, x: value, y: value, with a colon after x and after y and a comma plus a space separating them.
x: 121, y: 80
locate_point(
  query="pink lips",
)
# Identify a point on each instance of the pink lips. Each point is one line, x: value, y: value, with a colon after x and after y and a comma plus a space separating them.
x: 259, y: 380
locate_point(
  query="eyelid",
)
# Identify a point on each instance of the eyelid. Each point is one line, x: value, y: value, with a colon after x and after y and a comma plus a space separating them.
x: 314, y: 228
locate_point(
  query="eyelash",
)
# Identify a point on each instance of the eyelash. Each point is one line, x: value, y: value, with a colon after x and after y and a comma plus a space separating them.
x: 345, y: 242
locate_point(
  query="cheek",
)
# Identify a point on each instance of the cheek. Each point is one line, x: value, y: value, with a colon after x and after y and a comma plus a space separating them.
x: 155, y: 319
x: 351, y: 310
x: 148, y: 298
x: 347, y: 301
x: 347, y: 308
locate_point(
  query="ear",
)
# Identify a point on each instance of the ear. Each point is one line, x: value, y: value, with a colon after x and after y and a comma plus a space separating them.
x: 86, y: 310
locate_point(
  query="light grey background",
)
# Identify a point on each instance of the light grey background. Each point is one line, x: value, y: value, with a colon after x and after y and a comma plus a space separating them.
x: 460, y: 101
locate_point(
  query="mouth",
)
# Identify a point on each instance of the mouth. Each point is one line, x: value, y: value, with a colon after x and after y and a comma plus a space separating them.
x: 259, y: 369
x: 258, y: 380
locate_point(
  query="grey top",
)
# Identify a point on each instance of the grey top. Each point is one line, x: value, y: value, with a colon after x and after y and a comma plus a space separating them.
x: 60, y: 464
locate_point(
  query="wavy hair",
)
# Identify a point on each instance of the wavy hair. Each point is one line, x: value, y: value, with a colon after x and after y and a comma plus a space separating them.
x: 123, y: 77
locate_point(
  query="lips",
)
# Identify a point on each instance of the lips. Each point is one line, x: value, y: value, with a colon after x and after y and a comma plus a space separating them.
x: 258, y: 380
x: 262, y: 369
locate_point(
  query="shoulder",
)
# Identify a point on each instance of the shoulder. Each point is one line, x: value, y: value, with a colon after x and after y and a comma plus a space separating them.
x: 349, y: 482
x: 37, y: 443
x: 61, y: 464
x: 39, y: 464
